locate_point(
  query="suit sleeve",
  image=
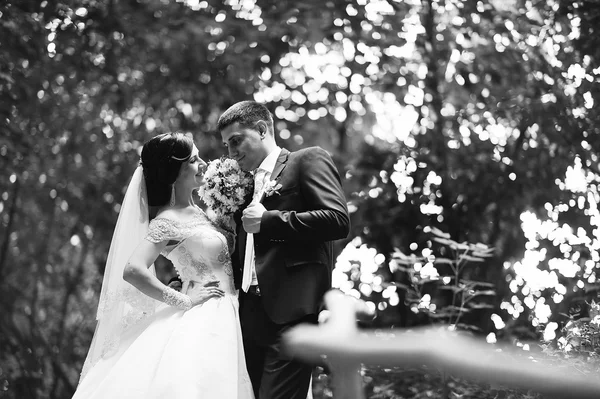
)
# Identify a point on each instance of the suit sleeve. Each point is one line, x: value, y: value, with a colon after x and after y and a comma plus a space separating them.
x: 325, y: 217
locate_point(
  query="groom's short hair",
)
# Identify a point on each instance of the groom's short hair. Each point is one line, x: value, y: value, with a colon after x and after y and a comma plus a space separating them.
x: 246, y: 113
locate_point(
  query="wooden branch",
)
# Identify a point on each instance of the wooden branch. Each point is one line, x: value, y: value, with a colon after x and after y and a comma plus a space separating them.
x: 339, y: 342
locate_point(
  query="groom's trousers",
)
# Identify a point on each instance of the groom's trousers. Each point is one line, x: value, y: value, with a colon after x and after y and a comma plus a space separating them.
x: 273, y: 375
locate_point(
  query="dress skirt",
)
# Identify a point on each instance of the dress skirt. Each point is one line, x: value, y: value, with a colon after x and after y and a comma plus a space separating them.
x: 176, y: 354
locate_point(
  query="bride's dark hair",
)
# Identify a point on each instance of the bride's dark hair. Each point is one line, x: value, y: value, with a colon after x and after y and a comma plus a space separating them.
x: 162, y: 157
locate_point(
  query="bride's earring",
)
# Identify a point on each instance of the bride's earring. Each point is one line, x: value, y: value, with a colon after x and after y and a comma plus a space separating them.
x: 172, y: 201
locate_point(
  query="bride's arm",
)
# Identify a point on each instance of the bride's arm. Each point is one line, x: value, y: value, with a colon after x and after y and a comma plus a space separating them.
x: 137, y: 273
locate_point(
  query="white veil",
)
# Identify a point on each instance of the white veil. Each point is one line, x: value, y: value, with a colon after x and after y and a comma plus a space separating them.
x: 121, y: 304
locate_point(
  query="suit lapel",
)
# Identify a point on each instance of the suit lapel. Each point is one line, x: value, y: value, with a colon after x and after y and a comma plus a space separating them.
x: 280, y: 164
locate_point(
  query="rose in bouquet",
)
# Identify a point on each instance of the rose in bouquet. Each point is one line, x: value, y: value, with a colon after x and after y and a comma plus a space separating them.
x: 226, y: 188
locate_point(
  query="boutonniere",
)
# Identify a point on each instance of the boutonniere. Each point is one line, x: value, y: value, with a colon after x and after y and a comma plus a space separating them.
x: 272, y: 187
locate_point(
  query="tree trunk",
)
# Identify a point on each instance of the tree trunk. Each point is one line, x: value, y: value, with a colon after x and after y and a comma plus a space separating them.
x: 11, y: 218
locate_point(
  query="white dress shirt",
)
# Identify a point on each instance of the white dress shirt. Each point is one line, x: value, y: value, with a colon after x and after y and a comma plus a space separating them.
x: 262, y: 174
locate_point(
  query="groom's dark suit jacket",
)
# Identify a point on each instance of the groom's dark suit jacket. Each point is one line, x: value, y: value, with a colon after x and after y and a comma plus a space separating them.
x: 294, y: 258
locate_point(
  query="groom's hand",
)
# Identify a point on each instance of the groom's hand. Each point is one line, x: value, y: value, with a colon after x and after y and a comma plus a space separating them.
x: 251, y: 217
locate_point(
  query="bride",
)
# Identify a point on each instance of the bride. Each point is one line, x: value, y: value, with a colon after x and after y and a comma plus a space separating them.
x: 152, y: 341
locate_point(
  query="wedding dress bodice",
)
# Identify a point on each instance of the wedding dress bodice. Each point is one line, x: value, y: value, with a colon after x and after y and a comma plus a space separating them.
x: 198, y: 250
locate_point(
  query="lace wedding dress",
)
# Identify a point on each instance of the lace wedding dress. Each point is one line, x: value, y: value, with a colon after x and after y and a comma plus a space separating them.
x: 180, y: 354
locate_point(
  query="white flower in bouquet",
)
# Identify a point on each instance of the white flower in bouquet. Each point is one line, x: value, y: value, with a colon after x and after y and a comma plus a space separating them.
x: 226, y: 187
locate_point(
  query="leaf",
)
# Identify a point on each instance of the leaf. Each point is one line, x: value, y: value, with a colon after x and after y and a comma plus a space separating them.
x: 406, y: 262
x: 460, y: 246
x: 444, y: 261
x: 405, y: 269
x: 477, y: 305
x: 422, y: 281
x: 439, y: 233
x: 478, y: 283
x: 483, y: 254
x: 457, y: 308
x: 470, y: 258
x: 444, y: 241
x: 6, y: 77
x: 399, y: 256
x: 483, y: 293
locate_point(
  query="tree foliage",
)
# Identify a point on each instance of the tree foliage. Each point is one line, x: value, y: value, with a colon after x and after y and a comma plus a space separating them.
x: 462, y: 116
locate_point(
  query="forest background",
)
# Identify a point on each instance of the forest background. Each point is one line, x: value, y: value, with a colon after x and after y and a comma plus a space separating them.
x: 466, y: 133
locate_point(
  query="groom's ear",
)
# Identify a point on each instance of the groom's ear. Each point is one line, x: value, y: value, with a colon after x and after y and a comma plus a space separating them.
x: 262, y: 127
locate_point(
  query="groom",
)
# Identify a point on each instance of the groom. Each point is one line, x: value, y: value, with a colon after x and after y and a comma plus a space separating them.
x: 283, y: 259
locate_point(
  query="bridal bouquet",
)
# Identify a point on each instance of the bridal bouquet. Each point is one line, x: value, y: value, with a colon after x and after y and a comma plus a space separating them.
x: 226, y: 187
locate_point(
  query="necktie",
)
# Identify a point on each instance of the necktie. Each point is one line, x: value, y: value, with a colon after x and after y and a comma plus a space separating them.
x: 259, y: 182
